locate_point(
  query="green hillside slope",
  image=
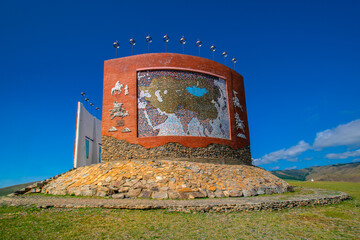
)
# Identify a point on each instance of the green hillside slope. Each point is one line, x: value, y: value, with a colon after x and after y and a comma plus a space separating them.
x: 7, y: 190
x: 348, y: 172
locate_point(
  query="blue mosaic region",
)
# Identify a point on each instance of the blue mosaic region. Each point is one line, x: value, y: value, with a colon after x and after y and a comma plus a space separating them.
x: 182, y: 103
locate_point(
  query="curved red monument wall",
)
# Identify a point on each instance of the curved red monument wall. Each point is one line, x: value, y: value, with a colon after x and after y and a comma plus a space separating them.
x: 214, y: 112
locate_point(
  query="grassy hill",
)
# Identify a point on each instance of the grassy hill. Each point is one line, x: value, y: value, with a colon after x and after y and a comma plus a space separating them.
x: 348, y: 172
x: 7, y: 190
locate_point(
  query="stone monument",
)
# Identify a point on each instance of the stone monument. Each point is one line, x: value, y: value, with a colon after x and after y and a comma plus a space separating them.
x: 173, y: 126
x: 166, y: 105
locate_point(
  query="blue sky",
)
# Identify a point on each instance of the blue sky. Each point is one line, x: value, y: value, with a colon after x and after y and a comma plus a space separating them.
x: 300, y: 61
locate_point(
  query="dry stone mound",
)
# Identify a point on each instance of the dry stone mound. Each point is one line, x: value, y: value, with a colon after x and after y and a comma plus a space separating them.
x: 163, y: 179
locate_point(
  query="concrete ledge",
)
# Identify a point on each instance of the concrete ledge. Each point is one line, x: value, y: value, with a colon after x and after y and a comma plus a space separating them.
x: 259, y: 203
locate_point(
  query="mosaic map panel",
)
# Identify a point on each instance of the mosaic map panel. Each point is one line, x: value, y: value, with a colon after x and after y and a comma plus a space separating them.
x: 181, y: 103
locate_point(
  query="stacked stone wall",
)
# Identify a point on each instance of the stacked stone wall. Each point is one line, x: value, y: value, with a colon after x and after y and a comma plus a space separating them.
x: 162, y: 179
x: 120, y: 150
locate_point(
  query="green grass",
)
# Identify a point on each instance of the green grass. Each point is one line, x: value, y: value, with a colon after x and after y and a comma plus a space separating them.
x: 338, y: 221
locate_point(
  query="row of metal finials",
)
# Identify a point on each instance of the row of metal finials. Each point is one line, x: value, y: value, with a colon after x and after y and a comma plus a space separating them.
x: 166, y: 39
x: 91, y: 105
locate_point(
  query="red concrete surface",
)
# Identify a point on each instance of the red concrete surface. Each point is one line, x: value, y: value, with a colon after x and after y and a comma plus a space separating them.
x: 125, y: 70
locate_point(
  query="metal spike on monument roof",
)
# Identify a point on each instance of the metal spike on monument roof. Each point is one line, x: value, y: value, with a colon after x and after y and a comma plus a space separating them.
x: 234, y: 60
x: 82, y: 94
x: 116, y: 44
x: 199, y: 44
x: 86, y: 99
x: 148, y: 39
x: 224, y: 54
x: 132, y: 41
x: 91, y: 104
x: 213, y: 49
x: 166, y: 38
x: 97, y: 108
x: 182, y: 40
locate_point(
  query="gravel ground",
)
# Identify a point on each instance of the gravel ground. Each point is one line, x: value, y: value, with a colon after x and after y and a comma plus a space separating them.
x: 274, y: 202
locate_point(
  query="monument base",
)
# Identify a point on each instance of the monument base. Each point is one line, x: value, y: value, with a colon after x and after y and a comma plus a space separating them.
x: 162, y: 179
x: 114, y: 150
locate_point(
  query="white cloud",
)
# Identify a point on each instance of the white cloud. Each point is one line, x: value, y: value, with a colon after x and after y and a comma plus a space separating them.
x: 343, y: 155
x: 291, y: 168
x: 275, y: 168
x: 289, y: 154
x: 346, y: 134
x: 343, y: 135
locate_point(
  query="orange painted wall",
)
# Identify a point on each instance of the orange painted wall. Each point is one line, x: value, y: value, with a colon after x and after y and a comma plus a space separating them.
x: 125, y: 70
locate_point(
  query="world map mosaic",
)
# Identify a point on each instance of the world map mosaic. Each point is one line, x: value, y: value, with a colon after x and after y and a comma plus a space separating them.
x: 182, y: 103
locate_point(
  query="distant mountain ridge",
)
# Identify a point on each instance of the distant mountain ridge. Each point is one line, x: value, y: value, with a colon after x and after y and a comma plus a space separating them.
x: 10, y: 189
x: 347, y: 172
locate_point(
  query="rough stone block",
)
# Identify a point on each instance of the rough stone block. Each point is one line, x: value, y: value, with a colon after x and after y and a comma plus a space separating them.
x: 235, y: 193
x: 123, y: 189
x: 184, y: 195
x: 261, y: 191
x: 118, y: 196
x: 59, y: 192
x: 212, y: 188
x: 139, y: 185
x: 249, y: 192
x: 101, y: 194
x: 133, y: 193
x: 196, y: 195
x: 146, y: 194
x: 173, y: 195
x: 210, y: 194
x: 164, y: 188
x: 186, y: 189
x: 219, y: 194
x: 226, y: 193
x: 203, y: 192
x: 269, y: 191
x: 160, y: 195
x: 117, y: 184
x: 88, y: 192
